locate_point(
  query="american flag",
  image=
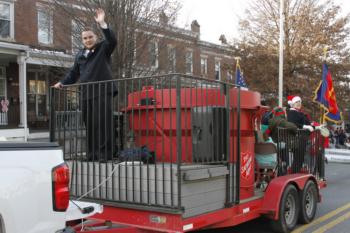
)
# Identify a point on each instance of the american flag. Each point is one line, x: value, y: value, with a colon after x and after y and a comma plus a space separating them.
x: 239, y: 77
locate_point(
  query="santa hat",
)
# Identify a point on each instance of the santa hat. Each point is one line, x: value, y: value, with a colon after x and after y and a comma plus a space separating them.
x: 292, y: 99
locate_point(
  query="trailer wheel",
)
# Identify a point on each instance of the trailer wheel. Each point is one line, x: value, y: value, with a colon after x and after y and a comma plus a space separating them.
x: 288, y: 211
x: 308, y: 203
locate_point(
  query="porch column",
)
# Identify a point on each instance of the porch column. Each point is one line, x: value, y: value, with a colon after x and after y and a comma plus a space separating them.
x: 22, y: 72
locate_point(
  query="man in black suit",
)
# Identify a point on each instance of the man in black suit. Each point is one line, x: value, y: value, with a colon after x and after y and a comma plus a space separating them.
x: 92, y: 64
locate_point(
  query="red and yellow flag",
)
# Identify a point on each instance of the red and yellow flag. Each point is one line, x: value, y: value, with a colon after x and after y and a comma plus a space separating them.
x: 325, y: 96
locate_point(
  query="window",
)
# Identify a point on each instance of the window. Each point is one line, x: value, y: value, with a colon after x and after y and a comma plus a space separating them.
x: 204, y: 65
x: 217, y: 70
x: 37, y: 87
x: 76, y: 36
x: 172, y: 59
x: 189, y: 62
x: 153, y: 54
x: 37, y: 95
x: 45, y: 34
x: 6, y: 20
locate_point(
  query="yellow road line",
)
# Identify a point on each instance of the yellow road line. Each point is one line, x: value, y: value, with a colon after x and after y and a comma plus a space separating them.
x: 321, y: 219
x: 331, y: 224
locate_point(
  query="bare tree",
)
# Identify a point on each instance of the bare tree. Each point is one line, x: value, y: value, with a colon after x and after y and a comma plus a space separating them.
x: 309, y: 26
x: 135, y: 23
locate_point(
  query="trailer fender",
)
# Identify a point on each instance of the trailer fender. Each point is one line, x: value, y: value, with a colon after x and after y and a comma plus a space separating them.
x: 275, y: 189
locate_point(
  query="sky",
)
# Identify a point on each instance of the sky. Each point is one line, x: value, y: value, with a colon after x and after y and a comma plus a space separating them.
x: 218, y: 17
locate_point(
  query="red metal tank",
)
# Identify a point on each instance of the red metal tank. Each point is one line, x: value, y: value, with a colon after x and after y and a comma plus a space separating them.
x: 152, y: 118
x: 250, y: 105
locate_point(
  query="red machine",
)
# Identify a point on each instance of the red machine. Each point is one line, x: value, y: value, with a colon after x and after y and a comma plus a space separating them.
x: 205, y: 138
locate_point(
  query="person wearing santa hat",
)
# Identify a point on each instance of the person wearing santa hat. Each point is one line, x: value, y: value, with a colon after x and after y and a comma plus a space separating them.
x: 296, y: 116
x: 300, y: 119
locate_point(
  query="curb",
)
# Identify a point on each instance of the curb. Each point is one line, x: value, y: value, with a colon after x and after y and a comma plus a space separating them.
x: 337, y: 155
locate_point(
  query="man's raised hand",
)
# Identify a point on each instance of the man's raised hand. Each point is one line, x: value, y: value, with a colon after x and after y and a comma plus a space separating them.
x: 100, y: 16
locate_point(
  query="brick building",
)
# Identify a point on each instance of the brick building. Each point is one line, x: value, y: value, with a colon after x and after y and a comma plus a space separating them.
x: 35, y: 52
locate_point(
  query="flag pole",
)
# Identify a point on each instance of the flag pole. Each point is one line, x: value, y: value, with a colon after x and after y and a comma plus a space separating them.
x: 237, y: 61
x: 280, y: 70
x: 323, y: 111
x: 237, y: 64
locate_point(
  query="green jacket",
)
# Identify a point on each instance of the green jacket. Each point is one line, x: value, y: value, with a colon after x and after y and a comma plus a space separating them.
x: 279, y: 122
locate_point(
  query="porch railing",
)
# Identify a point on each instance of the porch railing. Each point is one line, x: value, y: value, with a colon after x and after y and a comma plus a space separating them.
x: 3, y: 118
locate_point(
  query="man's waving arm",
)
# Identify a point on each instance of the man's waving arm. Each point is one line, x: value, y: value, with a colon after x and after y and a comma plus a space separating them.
x: 110, y: 39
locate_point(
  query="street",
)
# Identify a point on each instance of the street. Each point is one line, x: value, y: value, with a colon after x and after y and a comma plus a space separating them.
x: 333, y: 213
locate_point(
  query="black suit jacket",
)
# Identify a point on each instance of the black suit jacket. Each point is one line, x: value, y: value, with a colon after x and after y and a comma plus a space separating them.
x: 298, y: 118
x: 95, y: 67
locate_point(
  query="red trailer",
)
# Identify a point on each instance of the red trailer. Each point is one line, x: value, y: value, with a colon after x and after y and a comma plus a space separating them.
x: 186, y: 158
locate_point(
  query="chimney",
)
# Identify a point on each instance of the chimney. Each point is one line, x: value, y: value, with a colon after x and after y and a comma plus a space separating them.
x: 223, y: 39
x: 163, y: 18
x: 195, y: 27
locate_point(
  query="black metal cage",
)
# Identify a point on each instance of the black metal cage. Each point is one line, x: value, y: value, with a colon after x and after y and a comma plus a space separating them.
x: 150, y: 142
x: 169, y: 142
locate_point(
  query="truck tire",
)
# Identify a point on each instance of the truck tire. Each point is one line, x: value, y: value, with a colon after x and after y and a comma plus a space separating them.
x: 288, y: 211
x: 308, y: 202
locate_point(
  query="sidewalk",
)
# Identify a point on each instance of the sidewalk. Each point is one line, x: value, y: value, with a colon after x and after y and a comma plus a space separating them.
x: 39, y: 136
x: 338, y: 155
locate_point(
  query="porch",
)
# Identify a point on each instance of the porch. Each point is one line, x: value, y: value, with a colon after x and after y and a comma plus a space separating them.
x: 17, y: 134
x: 25, y: 77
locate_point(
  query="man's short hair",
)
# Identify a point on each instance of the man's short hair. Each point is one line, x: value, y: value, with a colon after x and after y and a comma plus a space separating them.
x: 85, y: 29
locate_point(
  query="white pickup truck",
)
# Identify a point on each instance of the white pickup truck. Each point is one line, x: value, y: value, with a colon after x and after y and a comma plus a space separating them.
x: 34, y: 190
